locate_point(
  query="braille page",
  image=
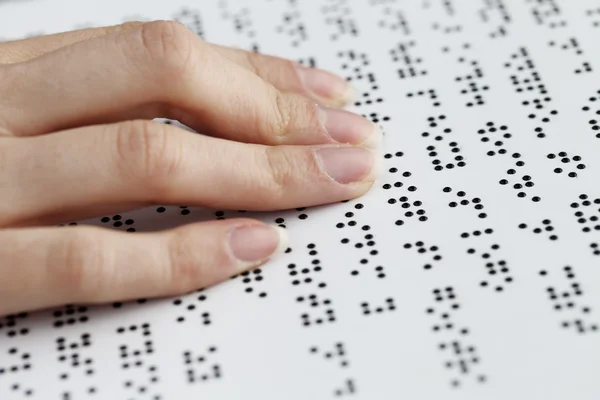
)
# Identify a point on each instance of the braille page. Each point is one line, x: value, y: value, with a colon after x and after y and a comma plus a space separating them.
x: 471, y: 270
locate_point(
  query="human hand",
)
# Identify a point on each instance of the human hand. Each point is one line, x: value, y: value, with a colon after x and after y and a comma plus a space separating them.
x: 77, y: 140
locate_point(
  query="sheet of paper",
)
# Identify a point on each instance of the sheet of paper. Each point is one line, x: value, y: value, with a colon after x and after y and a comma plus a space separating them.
x: 470, y: 271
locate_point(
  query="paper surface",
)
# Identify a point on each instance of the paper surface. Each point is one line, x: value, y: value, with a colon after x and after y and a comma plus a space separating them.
x: 470, y: 271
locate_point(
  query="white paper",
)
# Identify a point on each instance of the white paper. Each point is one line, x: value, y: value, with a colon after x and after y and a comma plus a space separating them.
x: 433, y: 309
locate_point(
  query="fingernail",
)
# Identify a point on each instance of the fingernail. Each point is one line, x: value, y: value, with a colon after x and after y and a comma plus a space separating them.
x: 349, y: 128
x: 257, y: 242
x: 349, y: 164
x: 325, y: 84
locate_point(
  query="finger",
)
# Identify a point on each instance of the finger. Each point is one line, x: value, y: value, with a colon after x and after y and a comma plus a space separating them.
x: 146, y: 162
x: 46, y: 267
x: 164, y: 70
x: 327, y: 88
x: 18, y: 51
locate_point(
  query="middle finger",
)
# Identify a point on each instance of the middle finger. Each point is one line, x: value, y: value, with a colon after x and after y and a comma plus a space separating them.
x: 145, y: 162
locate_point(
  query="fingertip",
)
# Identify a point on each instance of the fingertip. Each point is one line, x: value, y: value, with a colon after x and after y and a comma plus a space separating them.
x: 350, y: 94
x: 375, y: 140
x: 349, y: 128
x: 283, y: 240
x: 325, y: 85
x: 253, y: 244
x: 348, y: 164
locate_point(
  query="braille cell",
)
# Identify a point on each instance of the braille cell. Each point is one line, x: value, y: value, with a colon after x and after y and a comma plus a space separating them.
x: 15, y: 367
x: 392, y: 19
x: 348, y: 388
x: 292, y: 25
x: 120, y: 222
x: 462, y: 200
x: 70, y: 315
x: 567, y: 299
x: 364, y: 245
x: 547, y: 13
x: 409, y: 64
x: 571, y: 46
x: 139, y: 371
x: 201, y: 367
x: 14, y: 325
x: 472, y: 83
x: 309, y: 273
x: 477, y: 233
x: 356, y: 68
x: 429, y: 252
x: 499, y: 275
x: 369, y: 309
x: 451, y: 154
x: 336, y: 358
x: 586, y: 211
x: 570, y: 165
x: 194, y: 305
x: 338, y: 19
x: 317, y: 310
x: 76, y: 364
x: 241, y: 20
x: 594, y: 15
x: 520, y: 181
x: 461, y: 359
x: 335, y: 353
x: 545, y: 227
x: 430, y: 94
x: 495, y: 138
x: 447, y: 29
x: 252, y: 282
x: 530, y: 88
x: 412, y: 209
x: 592, y: 110
x: 494, y: 13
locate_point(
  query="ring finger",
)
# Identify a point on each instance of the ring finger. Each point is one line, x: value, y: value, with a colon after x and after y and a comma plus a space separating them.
x: 164, y: 70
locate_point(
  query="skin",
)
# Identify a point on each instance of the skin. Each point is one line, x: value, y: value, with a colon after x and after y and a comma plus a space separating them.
x: 78, y: 140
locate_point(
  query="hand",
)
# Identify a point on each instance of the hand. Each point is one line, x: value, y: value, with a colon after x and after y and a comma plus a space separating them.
x: 77, y: 140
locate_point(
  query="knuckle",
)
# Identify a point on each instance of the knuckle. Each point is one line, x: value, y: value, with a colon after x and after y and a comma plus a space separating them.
x: 10, y: 211
x: 280, y: 174
x: 184, y: 270
x: 81, y: 264
x: 290, y: 114
x: 273, y: 69
x: 164, y: 46
x: 147, y: 151
x: 8, y: 76
x: 282, y: 116
x: 4, y: 153
x: 253, y: 62
x: 127, y: 25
